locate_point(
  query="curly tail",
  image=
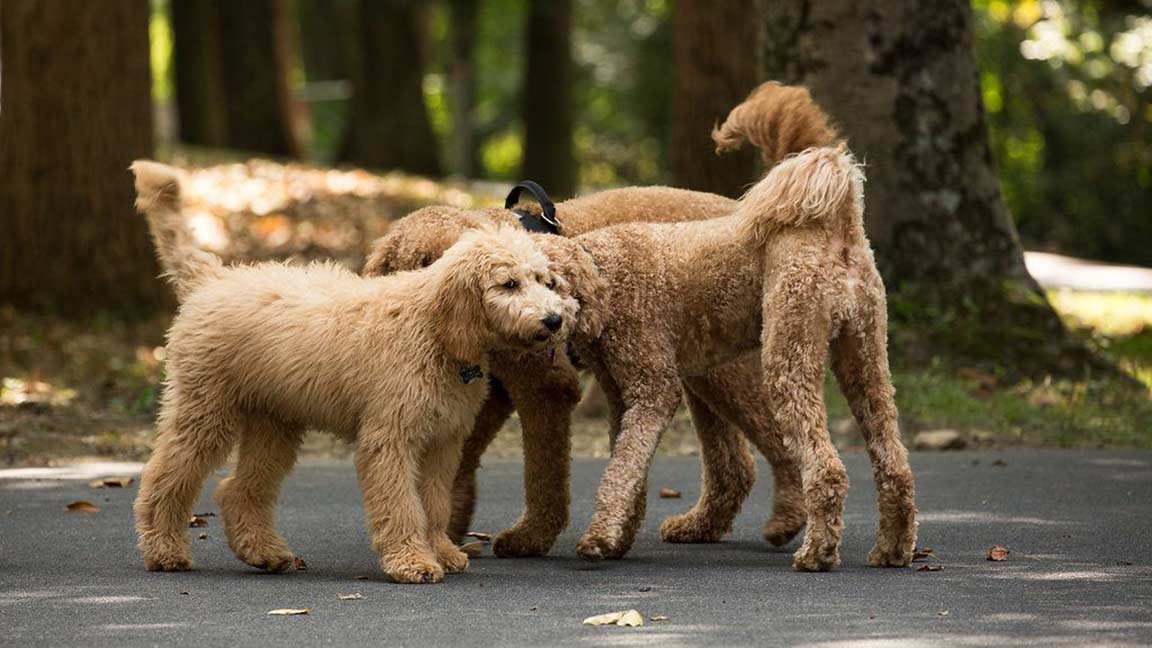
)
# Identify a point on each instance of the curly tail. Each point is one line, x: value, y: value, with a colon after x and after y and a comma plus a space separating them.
x: 777, y: 119
x: 818, y: 187
x: 158, y: 198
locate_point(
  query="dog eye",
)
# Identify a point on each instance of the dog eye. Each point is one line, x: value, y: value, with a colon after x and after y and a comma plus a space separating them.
x: 511, y: 284
x: 425, y: 261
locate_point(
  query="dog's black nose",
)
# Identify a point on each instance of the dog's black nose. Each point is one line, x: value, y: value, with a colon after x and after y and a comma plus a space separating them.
x: 553, y: 321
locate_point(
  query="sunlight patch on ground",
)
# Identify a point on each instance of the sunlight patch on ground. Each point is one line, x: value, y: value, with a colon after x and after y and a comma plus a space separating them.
x: 76, y: 471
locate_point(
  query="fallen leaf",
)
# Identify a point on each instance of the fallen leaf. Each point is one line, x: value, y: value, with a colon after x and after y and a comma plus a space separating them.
x: 350, y: 597
x: 203, y: 536
x: 111, y: 482
x: 197, y: 521
x: 473, y: 549
x: 930, y: 568
x: 922, y: 554
x: 299, y: 564
x: 82, y: 506
x: 208, y: 514
x: 658, y: 617
x: 482, y: 537
x: 631, y: 619
x: 361, y: 577
x: 604, y: 619
x: 290, y: 611
x: 943, y: 613
x: 998, y: 553
x: 669, y: 493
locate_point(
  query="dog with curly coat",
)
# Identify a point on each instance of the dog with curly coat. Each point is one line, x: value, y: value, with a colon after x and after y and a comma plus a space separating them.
x: 395, y: 365
x: 724, y: 402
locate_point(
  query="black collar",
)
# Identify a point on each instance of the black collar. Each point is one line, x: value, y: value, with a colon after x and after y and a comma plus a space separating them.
x: 544, y: 222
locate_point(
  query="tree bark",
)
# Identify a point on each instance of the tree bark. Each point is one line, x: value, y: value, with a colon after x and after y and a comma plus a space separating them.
x: 463, y: 26
x: 324, y: 50
x: 547, y: 97
x: 717, y: 62
x: 77, y: 110
x: 254, y: 55
x: 197, y: 66
x: 388, y: 124
x: 900, y: 78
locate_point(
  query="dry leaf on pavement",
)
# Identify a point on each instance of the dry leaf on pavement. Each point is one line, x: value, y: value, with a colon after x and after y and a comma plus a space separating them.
x: 658, y: 617
x: 628, y: 618
x: 350, y: 597
x: 931, y: 568
x: 998, y: 553
x: 669, y: 493
x: 290, y: 611
x: 473, y: 549
x: 82, y: 506
x: 111, y: 482
x: 197, y: 521
x: 920, y: 554
x: 482, y: 537
x: 631, y: 619
x: 299, y: 563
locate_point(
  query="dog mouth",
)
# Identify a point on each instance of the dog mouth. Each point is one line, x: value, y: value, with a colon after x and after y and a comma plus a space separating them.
x: 542, y: 336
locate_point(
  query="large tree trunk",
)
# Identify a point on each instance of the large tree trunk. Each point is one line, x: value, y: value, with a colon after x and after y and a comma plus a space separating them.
x: 547, y: 97
x: 196, y: 62
x: 77, y: 110
x: 717, y: 62
x: 388, y: 125
x: 254, y: 53
x: 900, y: 78
x: 462, y: 21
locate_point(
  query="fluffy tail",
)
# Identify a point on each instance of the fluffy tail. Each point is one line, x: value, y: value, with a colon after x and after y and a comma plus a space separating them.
x: 818, y: 187
x: 777, y: 119
x: 158, y: 198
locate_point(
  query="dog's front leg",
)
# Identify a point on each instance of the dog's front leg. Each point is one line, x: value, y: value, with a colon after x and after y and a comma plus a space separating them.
x: 386, y: 465
x: 546, y: 391
x: 491, y: 418
x: 651, y: 401
x: 436, y: 476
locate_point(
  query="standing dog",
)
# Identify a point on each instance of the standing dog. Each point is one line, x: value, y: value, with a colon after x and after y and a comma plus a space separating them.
x: 396, y: 365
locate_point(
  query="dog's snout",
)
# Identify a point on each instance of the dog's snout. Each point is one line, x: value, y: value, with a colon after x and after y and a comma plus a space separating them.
x: 553, y: 321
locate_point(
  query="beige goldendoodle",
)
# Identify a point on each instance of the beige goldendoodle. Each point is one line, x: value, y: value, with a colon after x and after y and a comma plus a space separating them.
x: 396, y: 365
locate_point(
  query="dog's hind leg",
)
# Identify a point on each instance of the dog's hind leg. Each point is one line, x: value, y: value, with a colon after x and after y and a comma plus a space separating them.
x: 247, y: 498
x: 545, y: 392
x: 652, y: 395
x: 436, y: 472
x: 386, y: 466
x: 797, y: 325
x: 728, y: 472
x: 495, y: 412
x: 860, y: 361
x: 195, y: 437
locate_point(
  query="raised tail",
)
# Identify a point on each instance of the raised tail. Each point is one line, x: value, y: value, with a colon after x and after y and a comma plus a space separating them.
x: 777, y: 119
x: 821, y: 187
x: 158, y: 198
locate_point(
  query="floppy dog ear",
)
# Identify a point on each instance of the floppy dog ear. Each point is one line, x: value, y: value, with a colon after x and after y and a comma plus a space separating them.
x: 576, y: 265
x: 461, y: 324
x: 381, y: 258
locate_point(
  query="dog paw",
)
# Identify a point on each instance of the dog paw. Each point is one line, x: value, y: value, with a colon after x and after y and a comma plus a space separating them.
x: 454, y: 561
x: 816, y: 557
x: 165, y: 553
x: 168, y: 563
x: 890, y: 555
x: 592, y: 547
x: 267, y: 552
x: 780, y: 531
x: 523, y: 542
x: 414, y: 571
x: 689, y: 528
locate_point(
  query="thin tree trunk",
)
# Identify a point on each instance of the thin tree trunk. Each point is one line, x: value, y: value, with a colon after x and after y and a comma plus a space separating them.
x: 197, y: 66
x: 900, y: 78
x: 717, y: 62
x: 254, y: 53
x: 547, y: 97
x: 389, y: 126
x: 462, y: 21
x: 77, y: 110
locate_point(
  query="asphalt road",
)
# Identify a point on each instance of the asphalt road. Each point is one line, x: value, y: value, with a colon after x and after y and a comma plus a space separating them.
x: 1078, y: 526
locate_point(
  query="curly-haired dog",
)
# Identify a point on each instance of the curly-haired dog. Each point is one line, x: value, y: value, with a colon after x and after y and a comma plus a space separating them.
x: 258, y: 353
x: 779, y: 120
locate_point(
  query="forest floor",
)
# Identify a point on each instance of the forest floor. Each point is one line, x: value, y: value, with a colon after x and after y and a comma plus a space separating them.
x: 72, y: 389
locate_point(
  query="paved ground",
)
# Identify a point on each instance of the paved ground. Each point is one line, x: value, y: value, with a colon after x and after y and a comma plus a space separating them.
x: 1059, y: 271
x: 1078, y: 525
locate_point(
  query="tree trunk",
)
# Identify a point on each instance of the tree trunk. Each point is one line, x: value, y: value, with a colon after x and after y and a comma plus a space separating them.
x: 77, y: 110
x: 388, y: 125
x: 197, y: 66
x: 547, y: 97
x: 717, y: 63
x: 254, y: 54
x: 900, y: 78
x: 462, y: 21
x: 324, y: 50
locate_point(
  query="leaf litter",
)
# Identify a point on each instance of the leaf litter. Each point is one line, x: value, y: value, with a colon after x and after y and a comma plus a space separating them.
x: 82, y: 506
x: 290, y: 611
x: 625, y: 618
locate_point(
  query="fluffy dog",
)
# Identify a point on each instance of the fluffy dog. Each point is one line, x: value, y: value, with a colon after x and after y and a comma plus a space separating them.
x: 778, y: 120
x: 395, y: 365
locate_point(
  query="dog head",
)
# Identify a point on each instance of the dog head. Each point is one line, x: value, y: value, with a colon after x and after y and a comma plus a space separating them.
x: 498, y: 290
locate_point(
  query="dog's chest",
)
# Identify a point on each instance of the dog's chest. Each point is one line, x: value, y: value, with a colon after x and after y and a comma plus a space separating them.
x: 462, y: 393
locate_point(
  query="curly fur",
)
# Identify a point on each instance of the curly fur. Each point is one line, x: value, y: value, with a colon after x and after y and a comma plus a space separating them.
x: 259, y: 353
x: 778, y: 120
